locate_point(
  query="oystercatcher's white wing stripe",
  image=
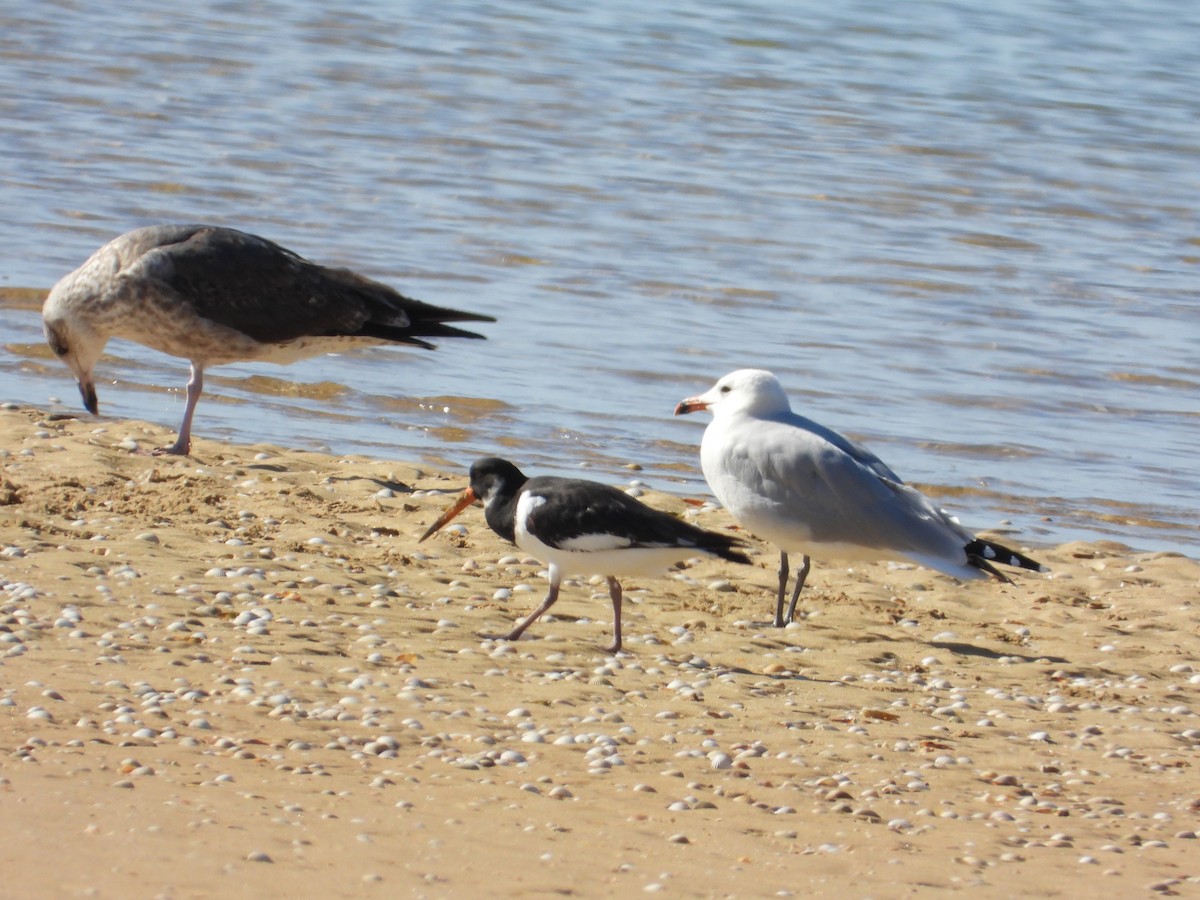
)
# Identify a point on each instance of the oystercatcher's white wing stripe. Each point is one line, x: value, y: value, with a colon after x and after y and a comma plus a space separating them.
x: 588, y: 543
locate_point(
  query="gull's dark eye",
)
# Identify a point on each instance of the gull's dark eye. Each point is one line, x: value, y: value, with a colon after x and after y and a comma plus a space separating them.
x: 57, y: 344
x: 725, y: 389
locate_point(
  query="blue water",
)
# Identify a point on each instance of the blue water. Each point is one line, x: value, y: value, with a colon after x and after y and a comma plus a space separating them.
x: 967, y: 235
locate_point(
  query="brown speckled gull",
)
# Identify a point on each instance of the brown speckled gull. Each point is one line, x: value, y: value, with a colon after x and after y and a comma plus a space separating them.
x: 215, y: 295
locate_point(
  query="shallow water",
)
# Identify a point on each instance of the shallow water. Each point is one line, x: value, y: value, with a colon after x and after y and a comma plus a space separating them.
x: 966, y: 236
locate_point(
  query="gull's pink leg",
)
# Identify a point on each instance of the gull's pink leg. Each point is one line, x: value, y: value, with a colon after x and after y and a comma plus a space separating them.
x: 183, y: 444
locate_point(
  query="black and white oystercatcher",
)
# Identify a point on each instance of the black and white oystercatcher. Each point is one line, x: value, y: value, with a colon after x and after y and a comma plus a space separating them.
x: 215, y: 295
x: 582, y: 527
x: 808, y: 489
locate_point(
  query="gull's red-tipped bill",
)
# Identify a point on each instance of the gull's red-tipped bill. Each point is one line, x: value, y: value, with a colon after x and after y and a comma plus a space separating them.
x: 464, y: 501
x: 690, y: 405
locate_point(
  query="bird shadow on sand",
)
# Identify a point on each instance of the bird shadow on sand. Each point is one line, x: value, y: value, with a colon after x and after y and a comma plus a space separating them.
x: 398, y: 486
x: 988, y: 653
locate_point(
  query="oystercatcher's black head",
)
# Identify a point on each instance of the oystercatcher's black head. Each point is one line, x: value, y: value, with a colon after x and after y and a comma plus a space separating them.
x: 492, y: 480
x: 495, y: 477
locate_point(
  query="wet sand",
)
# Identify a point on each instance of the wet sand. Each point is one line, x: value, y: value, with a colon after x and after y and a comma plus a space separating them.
x: 237, y: 674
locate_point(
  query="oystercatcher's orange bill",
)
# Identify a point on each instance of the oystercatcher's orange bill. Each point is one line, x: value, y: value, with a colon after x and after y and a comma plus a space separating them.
x: 464, y: 501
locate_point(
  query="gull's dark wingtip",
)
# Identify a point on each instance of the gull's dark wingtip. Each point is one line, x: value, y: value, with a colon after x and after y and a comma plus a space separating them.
x: 982, y: 554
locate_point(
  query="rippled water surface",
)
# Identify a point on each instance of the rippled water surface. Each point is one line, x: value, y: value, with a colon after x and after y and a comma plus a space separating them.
x: 965, y: 234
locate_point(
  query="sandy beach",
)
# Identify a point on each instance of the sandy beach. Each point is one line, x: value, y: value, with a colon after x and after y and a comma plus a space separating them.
x: 237, y: 674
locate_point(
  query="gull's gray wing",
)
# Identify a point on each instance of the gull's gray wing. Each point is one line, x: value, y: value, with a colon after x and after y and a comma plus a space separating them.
x: 266, y: 291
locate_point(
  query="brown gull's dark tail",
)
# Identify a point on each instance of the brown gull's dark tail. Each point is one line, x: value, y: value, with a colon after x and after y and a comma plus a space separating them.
x: 424, y: 321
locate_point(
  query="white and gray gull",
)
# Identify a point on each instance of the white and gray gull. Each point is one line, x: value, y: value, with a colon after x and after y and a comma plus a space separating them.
x: 808, y: 489
x: 215, y: 295
x: 582, y: 527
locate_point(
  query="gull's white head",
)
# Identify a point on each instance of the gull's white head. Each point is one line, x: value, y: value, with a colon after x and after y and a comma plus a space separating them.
x: 755, y: 392
x: 73, y: 337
